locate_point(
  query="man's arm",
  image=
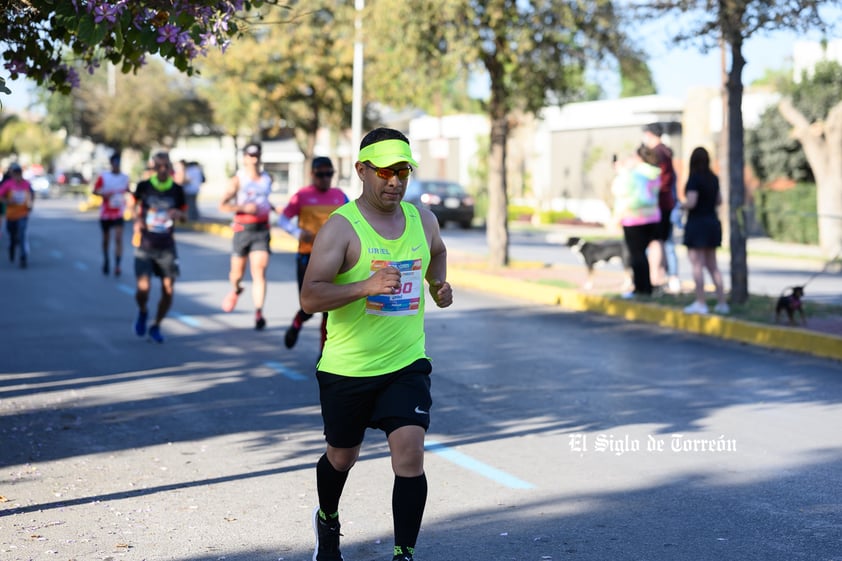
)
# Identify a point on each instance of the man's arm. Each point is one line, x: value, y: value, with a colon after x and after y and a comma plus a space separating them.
x: 336, y: 249
x: 440, y: 289
x: 228, y: 202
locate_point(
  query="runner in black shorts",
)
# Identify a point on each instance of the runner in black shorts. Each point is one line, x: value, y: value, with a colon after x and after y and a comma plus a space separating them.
x: 248, y: 197
x: 387, y: 402
x: 370, y: 267
x: 159, y: 204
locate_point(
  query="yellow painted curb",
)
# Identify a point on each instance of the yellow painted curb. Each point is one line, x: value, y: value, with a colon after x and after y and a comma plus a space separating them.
x: 790, y: 339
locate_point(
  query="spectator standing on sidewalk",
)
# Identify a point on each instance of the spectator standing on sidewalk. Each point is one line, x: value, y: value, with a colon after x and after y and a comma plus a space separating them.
x: 112, y: 186
x: 663, y: 263
x: 16, y: 193
x: 367, y: 268
x: 312, y: 206
x: 703, y: 230
x: 635, y: 190
x: 248, y: 198
x: 158, y: 204
x: 191, y: 177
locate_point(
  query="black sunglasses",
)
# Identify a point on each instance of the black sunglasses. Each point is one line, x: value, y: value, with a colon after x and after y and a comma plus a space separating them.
x: 389, y: 173
x: 323, y: 174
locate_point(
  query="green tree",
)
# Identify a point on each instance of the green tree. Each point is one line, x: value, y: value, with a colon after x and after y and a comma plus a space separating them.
x: 30, y: 139
x: 774, y: 153
x: 153, y: 106
x: 40, y: 36
x: 732, y: 22
x: 814, y: 111
x: 423, y: 66
x: 293, y: 72
x: 534, y: 53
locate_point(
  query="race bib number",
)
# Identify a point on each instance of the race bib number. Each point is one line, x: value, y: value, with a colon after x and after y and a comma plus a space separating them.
x: 117, y: 201
x: 158, y: 221
x: 406, y: 299
x: 18, y: 197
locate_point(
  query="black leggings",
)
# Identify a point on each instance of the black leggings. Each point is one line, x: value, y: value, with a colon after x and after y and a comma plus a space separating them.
x: 638, y: 239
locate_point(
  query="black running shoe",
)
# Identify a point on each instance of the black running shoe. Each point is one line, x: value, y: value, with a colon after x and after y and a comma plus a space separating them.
x: 327, y: 539
x: 259, y: 322
x: 291, y: 336
x: 140, y: 324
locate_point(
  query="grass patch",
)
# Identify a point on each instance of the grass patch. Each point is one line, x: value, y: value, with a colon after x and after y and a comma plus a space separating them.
x: 759, y: 309
x: 555, y: 283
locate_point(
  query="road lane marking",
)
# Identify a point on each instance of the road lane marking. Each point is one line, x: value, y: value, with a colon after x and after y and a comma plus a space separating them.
x: 288, y: 372
x: 81, y: 265
x: 187, y: 320
x: 126, y: 288
x: 469, y: 463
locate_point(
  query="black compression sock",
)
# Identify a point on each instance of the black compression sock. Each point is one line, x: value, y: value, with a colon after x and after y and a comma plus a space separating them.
x: 329, y: 484
x: 409, y: 495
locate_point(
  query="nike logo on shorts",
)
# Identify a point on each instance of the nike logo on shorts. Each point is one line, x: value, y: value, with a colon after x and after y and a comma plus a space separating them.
x: 421, y: 411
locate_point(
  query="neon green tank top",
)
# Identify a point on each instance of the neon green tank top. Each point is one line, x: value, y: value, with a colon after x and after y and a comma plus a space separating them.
x: 380, y: 334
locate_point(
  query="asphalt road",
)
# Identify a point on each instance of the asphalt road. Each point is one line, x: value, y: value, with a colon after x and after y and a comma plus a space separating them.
x: 555, y: 435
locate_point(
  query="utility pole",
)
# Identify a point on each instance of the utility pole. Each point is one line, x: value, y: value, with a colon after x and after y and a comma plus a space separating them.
x: 357, y: 87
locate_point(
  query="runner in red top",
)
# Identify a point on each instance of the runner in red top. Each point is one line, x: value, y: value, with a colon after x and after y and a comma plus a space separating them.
x: 312, y: 205
x: 112, y: 186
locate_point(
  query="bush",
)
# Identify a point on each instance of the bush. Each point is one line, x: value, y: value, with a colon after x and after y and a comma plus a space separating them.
x: 790, y: 216
x: 520, y: 213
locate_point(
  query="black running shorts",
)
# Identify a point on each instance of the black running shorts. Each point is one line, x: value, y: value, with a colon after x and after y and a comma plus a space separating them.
x: 386, y: 402
x: 251, y: 240
x: 159, y: 262
x: 107, y: 224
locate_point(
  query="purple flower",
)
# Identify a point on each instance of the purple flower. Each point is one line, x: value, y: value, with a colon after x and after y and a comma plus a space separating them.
x: 105, y: 12
x: 168, y: 32
x: 16, y: 66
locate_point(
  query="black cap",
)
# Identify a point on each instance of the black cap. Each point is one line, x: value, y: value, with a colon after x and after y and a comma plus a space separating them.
x: 14, y: 166
x: 321, y: 161
x: 252, y: 149
x: 654, y: 128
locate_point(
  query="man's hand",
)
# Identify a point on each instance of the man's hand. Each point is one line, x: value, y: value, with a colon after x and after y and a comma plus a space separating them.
x: 384, y: 281
x: 441, y: 292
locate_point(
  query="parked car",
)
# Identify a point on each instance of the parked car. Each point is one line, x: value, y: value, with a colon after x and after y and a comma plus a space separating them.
x: 43, y: 185
x: 73, y: 182
x: 447, y: 200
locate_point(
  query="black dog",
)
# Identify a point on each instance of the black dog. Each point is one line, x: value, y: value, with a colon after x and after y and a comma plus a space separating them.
x: 791, y: 303
x: 594, y: 252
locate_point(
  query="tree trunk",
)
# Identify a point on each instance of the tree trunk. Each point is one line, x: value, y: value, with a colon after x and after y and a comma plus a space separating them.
x: 736, y: 179
x: 497, y: 224
x: 829, y: 189
x: 822, y: 144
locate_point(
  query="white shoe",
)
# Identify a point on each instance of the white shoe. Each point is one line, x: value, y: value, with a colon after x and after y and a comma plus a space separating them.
x: 627, y: 295
x: 696, y: 308
x: 674, y: 285
x: 722, y: 308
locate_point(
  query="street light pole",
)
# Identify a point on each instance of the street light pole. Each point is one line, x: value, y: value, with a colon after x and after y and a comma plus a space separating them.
x: 357, y: 88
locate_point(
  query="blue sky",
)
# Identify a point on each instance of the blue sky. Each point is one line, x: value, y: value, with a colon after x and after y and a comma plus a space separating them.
x: 675, y: 70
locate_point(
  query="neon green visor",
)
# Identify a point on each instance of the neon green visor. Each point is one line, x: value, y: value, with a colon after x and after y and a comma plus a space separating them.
x: 387, y: 152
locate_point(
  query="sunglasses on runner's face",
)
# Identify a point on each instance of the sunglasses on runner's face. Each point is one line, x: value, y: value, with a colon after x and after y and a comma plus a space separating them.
x: 322, y: 174
x: 389, y: 173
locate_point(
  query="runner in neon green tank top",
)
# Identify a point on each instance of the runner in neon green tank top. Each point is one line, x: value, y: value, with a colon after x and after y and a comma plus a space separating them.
x: 367, y: 268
